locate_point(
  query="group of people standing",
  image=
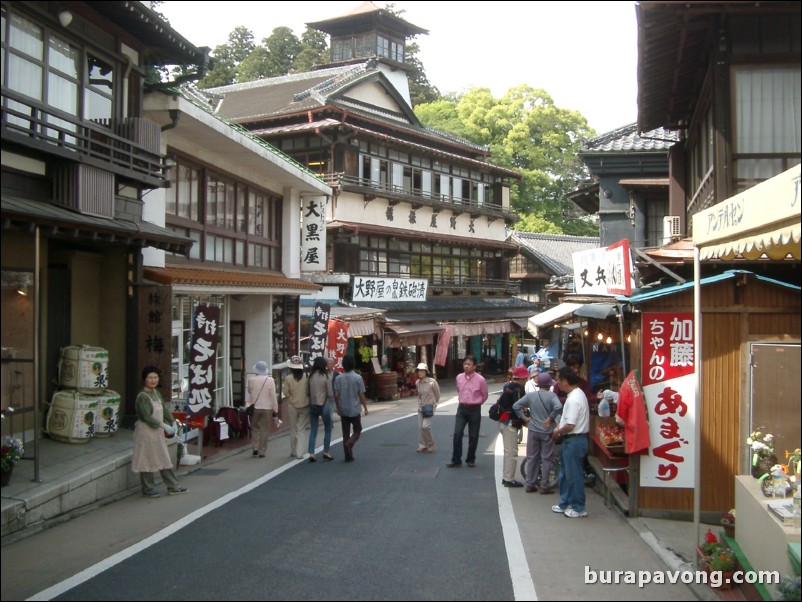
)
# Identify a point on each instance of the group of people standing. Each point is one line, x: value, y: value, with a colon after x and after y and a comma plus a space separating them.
x: 310, y: 398
x: 323, y: 391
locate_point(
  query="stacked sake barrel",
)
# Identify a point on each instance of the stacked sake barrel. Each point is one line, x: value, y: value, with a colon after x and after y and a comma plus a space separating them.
x: 83, y: 407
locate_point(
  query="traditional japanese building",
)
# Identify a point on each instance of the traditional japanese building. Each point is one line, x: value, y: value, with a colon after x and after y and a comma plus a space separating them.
x: 416, y: 225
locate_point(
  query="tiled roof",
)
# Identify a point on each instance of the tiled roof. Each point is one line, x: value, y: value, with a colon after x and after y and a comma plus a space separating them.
x: 221, y: 277
x: 554, y: 250
x: 627, y: 139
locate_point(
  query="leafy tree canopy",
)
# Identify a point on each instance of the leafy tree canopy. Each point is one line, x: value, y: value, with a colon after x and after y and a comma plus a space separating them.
x: 526, y: 132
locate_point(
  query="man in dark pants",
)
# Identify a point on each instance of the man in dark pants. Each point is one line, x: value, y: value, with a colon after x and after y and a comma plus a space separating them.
x: 471, y: 393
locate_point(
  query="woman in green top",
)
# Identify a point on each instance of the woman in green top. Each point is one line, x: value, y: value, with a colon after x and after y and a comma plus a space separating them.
x: 150, y: 447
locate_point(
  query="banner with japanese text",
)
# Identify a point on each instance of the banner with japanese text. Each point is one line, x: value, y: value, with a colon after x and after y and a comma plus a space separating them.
x: 203, y: 359
x: 320, y: 331
x: 604, y: 271
x: 367, y: 288
x: 669, y: 391
x: 443, y: 343
x: 337, y: 342
x: 313, y: 234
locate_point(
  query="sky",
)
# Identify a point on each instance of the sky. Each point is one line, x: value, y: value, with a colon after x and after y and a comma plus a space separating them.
x: 583, y: 54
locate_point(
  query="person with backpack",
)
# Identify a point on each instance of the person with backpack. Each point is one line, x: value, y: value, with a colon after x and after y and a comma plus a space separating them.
x: 509, y: 424
x: 544, y: 410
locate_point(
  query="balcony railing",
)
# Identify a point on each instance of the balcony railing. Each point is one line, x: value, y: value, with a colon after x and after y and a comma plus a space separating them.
x: 134, y: 154
x: 372, y: 189
x: 474, y: 285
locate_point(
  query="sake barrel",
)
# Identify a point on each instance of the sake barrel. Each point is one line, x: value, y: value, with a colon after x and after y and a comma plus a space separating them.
x: 84, y: 368
x: 385, y: 385
x: 71, y: 417
x: 107, y: 416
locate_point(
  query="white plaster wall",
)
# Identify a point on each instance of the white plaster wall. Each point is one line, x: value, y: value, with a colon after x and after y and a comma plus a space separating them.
x: 399, y: 79
x: 375, y: 94
x: 255, y: 310
x: 291, y: 234
x: 351, y: 208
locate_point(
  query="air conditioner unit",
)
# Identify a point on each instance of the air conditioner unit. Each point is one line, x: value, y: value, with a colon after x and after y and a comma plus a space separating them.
x: 671, y: 230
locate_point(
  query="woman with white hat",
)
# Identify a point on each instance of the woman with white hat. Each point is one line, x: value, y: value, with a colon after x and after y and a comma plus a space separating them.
x: 428, y: 395
x: 296, y: 392
x: 262, y: 396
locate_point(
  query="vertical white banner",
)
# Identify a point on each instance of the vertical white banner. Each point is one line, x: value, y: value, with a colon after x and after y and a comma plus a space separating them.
x: 313, y: 234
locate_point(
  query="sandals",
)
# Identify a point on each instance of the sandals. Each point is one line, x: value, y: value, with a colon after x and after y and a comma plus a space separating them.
x: 327, y: 456
x: 312, y: 458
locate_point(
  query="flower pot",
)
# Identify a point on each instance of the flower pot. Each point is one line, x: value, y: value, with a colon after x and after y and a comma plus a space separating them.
x: 5, y: 476
x: 729, y: 529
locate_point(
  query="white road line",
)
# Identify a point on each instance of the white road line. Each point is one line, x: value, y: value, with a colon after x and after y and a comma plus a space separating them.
x: 523, y: 587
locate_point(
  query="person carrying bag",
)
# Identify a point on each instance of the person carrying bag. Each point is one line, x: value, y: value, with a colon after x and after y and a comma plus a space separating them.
x: 263, y: 404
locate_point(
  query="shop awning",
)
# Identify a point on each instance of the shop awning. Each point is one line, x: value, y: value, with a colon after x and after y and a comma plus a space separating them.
x: 60, y: 222
x: 598, y: 311
x: 406, y: 335
x: 764, y: 220
x: 209, y: 281
x: 472, y: 329
x: 361, y: 328
x: 550, y: 316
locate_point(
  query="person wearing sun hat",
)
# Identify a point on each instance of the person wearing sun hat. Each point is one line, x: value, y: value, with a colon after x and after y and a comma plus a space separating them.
x: 262, y: 396
x: 428, y: 394
x: 509, y: 423
x: 296, y: 393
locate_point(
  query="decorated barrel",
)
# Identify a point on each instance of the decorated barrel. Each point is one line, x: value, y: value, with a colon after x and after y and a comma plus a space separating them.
x: 84, y: 368
x: 107, y: 416
x: 71, y: 417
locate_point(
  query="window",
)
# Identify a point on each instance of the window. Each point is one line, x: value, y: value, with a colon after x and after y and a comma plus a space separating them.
x: 767, y: 111
x: 231, y: 221
x: 51, y: 71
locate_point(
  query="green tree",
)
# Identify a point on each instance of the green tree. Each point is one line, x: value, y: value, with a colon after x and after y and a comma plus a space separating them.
x: 526, y: 132
x: 228, y: 57
x: 420, y: 89
x: 313, y: 51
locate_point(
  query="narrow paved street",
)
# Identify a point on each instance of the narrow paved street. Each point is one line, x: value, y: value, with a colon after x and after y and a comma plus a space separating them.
x: 392, y: 525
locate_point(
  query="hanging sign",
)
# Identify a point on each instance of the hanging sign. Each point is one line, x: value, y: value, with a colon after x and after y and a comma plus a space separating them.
x: 604, y: 271
x: 320, y: 330
x: 669, y: 392
x: 389, y: 289
x: 443, y: 343
x: 313, y: 234
x: 337, y: 342
x: 203, y: 359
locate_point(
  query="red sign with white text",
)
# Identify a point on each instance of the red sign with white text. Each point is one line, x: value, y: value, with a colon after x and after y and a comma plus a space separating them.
x: 667, y: 371
x: 337, y: 342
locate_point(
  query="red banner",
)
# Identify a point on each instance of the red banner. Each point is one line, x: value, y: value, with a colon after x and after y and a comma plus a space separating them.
x: 443, y: 343
x: 667, y: 346
x: 337, y: 342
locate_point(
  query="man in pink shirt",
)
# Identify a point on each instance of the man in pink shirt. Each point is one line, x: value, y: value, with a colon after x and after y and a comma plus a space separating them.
x: 472, y: 393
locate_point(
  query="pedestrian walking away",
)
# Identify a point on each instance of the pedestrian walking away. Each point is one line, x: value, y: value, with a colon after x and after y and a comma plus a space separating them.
x: 296, y: 393
x: 321, y: 397
x: 262, y: 396
x: 154, y: 420
x: 471, y: 394
x: 544, y: 411
x: 509, y: 424
x: 429, y: 397
x: 573, y: 431
x: 349, y: 394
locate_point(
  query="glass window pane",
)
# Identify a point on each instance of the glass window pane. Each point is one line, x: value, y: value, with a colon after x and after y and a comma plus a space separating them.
x: 96, y: 106
x: 62, y: 94
x: 26, y: 37
x: 100, y: 74
x: 27, y: 76
x: 63, y: 57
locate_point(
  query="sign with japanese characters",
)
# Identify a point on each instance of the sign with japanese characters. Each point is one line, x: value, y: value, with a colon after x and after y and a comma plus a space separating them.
x: 604, y: 271
x: 313, y: 234
x: 203, y: 359
x: 320, y: 330
x: 669, y: 391
x: 155, y: 303
x: 337, y: 342
x: 367, y: 288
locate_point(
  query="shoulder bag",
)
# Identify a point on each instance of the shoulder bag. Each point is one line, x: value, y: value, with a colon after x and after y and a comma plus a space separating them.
x: 250, y: 409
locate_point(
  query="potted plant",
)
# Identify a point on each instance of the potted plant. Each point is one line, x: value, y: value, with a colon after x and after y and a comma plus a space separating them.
x: 11, y: 451
x: 723, y: 561
x: 762, y: 447
x: 728, y: 522
x: 710, y: 547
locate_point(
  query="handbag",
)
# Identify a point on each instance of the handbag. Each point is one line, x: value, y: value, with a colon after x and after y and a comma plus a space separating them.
x: 315, y: 410
x: 427, y: 411
x: 250, y: 409
x: 495, y: 411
